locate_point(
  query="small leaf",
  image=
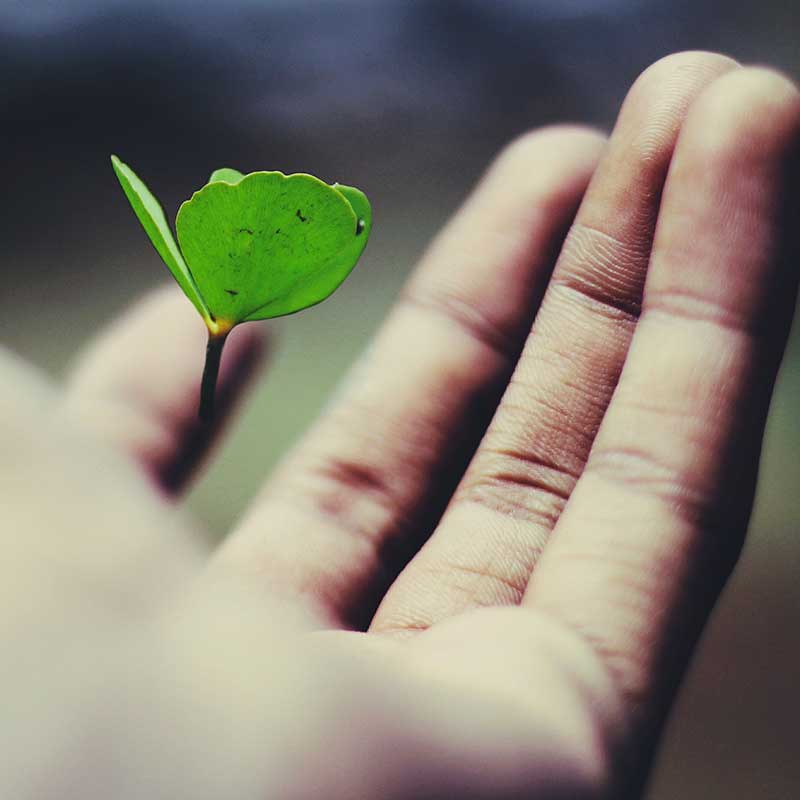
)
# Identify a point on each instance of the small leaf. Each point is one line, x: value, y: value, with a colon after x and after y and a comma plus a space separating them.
x: 226, y: 174
x: 270, y: 244
x: 151, y: 215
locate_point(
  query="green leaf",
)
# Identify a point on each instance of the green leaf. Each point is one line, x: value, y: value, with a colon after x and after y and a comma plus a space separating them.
x: 323, y: 281
x: 151, y: 215
x: 271, y: 244
x: 258, y: 246
x: 226, y: 174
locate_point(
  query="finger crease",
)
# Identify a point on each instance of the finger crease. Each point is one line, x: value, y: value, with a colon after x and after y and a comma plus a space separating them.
x: 687, y: 306
x: 336, y: 486
x: 604, y: 270
x: 468, y: 318
x: 639, y: 471
x: 516, y: 588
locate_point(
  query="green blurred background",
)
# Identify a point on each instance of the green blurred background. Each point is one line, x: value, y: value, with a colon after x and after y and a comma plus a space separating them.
x: 408, y: 100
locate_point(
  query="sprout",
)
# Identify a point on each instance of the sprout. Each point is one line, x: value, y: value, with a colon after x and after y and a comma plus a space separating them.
x: 253, y: 247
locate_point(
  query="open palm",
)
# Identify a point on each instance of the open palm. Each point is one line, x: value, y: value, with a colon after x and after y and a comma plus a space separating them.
x: 506, y: 533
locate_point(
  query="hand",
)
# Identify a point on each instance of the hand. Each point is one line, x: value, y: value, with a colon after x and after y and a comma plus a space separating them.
x: 531, y: 520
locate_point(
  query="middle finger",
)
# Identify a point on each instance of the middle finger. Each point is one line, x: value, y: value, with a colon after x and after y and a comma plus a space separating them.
x: 488, y: 542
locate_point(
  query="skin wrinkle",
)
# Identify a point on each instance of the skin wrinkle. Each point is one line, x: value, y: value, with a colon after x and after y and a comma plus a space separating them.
x: 419, y: 442
x: 637, y: 470
x: 608, y: 278
x: 468, y: 317
x: 510, y: 588
x: 334, y: 486
x: 615, y: 226
x: 541, y: 508
x: 692, y: 308
x: 508, y: 479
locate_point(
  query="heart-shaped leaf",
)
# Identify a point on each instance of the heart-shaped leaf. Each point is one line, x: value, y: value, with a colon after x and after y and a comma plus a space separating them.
x: 269, y: 245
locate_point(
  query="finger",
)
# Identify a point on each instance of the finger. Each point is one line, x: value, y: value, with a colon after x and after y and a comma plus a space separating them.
x: 137, y: 385
x: 373, y: 476
x: 495, y: 529
x: 658, y: 517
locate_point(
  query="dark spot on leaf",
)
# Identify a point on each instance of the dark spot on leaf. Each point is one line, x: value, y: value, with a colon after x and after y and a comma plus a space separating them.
x: 246, y: 230
x: 359, y: 227
x: 232, y: 292
x: 300, y: 216
x: 277, y: 230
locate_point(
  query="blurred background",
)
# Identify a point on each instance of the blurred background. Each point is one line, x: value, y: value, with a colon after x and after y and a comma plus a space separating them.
x: 409, y: 101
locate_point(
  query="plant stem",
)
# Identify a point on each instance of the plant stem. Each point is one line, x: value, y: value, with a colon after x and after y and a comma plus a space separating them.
x: 208, y: 386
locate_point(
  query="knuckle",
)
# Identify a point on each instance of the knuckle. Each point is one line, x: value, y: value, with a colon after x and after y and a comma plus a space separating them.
x: 605, y: 270
x: 641, y: 471
x: 477, y: 324
x: 692, y: 307
x: 347, y: 492
x: 517, y: 482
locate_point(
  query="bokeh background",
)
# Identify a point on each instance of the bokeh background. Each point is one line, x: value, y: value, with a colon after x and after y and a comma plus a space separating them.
x: 408, y: 100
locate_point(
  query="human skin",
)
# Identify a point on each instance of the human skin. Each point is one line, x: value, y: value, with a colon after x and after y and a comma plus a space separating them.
x: 482, y: 572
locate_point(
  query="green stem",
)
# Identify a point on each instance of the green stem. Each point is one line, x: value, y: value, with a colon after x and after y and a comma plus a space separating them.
x: 208, y: 385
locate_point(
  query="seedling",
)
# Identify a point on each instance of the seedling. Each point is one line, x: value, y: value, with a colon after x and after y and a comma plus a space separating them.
x: 253, y: 247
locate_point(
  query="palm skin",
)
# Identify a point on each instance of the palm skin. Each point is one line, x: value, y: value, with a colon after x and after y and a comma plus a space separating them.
x: 482, y: 573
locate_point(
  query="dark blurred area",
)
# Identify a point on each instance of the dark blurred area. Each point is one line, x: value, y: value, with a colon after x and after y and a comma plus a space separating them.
x: 408, y: 100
